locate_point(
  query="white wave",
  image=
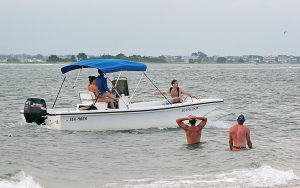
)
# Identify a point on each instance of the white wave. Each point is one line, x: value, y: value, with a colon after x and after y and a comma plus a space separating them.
x: 217, y: 124
x: 20, y: 180
x: 264, y: 176
x: 260, y: 177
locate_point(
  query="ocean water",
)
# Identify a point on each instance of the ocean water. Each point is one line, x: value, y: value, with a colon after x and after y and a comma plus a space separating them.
x: 268, y: 96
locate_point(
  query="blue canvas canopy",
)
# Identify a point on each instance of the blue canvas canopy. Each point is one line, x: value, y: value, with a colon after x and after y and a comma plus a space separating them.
x: 106, y: 65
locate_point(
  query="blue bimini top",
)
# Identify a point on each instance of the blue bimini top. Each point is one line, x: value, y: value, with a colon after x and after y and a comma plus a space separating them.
x: 106, y: 65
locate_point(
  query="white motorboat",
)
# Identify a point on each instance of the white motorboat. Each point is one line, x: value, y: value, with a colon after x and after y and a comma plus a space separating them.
x: 89, y: 115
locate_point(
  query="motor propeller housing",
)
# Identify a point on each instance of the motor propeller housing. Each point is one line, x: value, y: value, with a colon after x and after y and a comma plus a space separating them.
x: 35, y: 110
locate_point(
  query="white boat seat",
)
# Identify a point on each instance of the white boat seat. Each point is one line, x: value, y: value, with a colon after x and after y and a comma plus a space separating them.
x: 88, y: 98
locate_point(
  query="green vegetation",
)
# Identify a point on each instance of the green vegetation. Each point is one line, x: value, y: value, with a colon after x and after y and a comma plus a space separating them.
x: 83, y: 56
x: 196, y: 57
x: 221, y: 60
x: 55, y: 58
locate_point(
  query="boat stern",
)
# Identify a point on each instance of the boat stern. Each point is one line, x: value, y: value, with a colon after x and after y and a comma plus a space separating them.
x: 53, y: 122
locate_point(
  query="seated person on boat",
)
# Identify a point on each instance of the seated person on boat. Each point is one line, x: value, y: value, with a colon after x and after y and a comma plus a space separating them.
x: 104, y: 97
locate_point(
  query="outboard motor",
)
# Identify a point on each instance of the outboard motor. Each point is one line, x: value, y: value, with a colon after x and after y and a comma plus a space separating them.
x: 35, y: 110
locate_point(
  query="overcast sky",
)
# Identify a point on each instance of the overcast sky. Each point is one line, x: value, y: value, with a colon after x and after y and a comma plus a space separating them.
x: 150, y: 27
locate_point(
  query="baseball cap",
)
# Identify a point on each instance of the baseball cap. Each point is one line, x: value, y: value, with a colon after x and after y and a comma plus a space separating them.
x: 241, y: 118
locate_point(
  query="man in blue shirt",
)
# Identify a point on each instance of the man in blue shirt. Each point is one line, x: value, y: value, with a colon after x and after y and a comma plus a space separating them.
x: 101, y: 83
x: 104, y: 93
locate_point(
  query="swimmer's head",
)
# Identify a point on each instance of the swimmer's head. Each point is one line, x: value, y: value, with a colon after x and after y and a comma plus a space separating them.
x: 241, y: 119
x: 193, y: 121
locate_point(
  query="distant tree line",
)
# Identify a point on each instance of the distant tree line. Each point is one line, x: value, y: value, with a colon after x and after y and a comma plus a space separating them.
x: 55, y: 58
x: 83, y: 56
x: 196, y: 57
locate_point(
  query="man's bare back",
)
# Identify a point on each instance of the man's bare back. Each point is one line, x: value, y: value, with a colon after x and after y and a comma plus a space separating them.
x: 193, y: 132
x: 239, y: 135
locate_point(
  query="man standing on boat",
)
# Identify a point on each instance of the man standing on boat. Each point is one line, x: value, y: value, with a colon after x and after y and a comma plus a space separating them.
x: 239, y: 135
x: 193, y: 132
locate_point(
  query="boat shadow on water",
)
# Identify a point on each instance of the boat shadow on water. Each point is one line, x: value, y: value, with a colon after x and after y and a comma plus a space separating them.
x: 142, y: 131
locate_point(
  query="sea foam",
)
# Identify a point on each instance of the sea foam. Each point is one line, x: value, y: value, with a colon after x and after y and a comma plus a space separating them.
x: 217, y: 125
x: 20, y: 180
x: 264, y: 176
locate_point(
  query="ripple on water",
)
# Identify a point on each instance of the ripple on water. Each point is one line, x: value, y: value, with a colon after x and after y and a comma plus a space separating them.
x: 266, y: 94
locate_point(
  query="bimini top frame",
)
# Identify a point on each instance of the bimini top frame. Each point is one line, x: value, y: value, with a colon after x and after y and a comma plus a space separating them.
x: 107, y: 66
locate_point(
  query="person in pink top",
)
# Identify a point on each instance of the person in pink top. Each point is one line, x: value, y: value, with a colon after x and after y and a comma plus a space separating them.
x: 239, y: 135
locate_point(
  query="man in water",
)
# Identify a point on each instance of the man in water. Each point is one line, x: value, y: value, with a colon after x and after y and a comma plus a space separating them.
x: 238, y: 135
x: 193, y: 132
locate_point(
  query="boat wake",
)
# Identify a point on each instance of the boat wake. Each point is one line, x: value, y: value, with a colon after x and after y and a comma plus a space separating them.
x: 264, y: 176
x: 217, y: 125
x: 20, y: 180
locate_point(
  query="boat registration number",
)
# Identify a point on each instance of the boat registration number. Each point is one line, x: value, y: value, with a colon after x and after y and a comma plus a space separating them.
x: 81, y: 118
x: 188, y: 109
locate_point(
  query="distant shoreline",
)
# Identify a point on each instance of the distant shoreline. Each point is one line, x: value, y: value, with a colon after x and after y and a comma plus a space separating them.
x: 236, y: 63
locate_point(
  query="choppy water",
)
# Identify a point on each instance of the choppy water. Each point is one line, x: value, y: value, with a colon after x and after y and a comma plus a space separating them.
x: 268, y: 95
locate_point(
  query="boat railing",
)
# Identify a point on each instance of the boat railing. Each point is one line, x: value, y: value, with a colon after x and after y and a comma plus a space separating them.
x: 147, y: 104
x: 188, y: 98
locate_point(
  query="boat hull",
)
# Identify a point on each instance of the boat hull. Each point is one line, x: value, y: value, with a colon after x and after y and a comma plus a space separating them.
x: 136, y: 118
